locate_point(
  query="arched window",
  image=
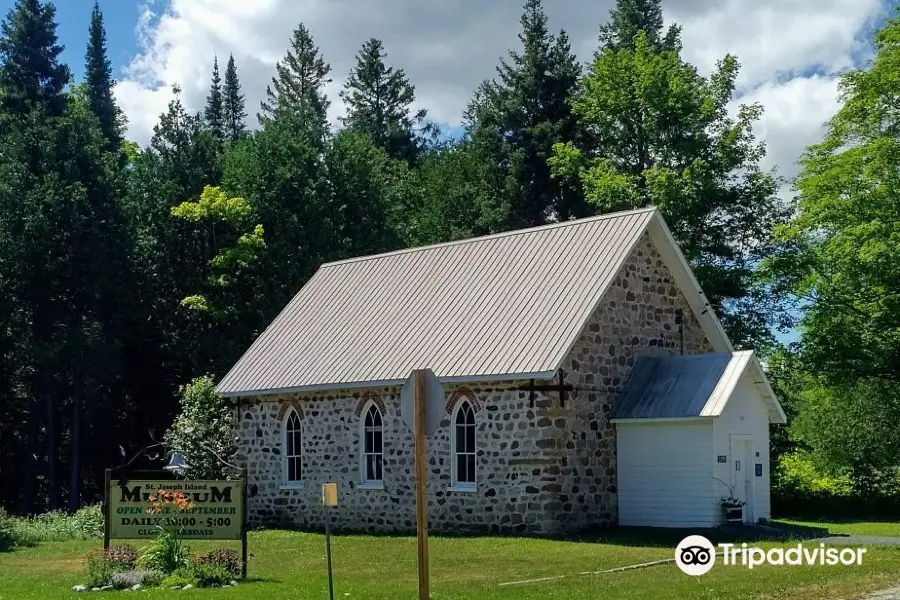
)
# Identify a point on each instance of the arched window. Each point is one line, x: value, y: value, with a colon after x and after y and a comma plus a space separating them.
x: 293, y: 448
x: 464, y: 445
x: 372, y: 446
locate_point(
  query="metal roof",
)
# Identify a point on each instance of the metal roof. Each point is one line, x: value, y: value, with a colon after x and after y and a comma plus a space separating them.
x: 686, y: 386
x: 506, y: 306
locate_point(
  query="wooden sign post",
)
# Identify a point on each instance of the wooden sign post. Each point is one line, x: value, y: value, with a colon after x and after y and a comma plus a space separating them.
x: 422, y: 409
x: 421, y: 482
x: 329, y: 498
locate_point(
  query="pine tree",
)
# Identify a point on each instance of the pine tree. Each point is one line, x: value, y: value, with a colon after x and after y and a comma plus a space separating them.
x: 378, y: 100
x: 631, y: 16
x: 213, y: 115
x: 233, y: 103
x: 298, y: 84
x: 30, y: 71
x: 188, y: 155
x: 99, y: 82
x: 515, y: 121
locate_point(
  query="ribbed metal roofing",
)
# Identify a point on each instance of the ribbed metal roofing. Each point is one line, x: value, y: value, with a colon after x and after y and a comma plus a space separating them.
x: 699, y: 385
x: 506, y: 306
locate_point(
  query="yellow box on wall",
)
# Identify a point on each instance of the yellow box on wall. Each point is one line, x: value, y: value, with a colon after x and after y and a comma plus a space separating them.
x: 329, y: 494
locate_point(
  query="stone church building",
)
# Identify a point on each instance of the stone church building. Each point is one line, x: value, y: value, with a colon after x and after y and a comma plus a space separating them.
x: 534, y: 335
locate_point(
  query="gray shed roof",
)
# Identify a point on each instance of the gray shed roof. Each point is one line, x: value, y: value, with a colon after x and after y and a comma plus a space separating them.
x: 501, y: 307
x: 673, y: 387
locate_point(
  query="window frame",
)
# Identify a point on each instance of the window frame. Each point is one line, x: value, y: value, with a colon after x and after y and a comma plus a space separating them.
x: 456, y: 484
x: 286, y: 482
x: 364, y: 482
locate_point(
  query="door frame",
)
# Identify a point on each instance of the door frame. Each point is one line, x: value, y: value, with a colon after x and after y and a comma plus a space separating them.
x: 742, y: 480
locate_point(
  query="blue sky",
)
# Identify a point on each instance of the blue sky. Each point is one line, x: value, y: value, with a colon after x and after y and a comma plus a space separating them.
x: 73, y: 17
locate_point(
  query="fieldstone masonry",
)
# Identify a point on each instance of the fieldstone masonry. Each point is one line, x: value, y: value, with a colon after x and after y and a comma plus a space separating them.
x: 543, y: 466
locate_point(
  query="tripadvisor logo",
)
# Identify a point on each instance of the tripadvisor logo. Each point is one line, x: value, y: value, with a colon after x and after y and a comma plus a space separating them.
x: 696, y: 555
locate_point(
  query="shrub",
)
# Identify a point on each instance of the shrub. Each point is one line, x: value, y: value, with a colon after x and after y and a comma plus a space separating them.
x: 204, y: 431
x: 88, y: 522
x: 211, y: 575
x: 98, y: 570
x: 165, y: 553
x: 128, y: 579
x: 179, y: 578
x: 124, y: 557
x: 796, y: 472
x: 800, y: 489
x: 227, y: 558
x: 58, y: 526
x: 7, y: 531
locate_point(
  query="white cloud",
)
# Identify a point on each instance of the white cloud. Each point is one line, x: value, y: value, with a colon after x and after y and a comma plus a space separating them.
x: 796, y: 115
x: 774, y: 37
x: 448, y: 47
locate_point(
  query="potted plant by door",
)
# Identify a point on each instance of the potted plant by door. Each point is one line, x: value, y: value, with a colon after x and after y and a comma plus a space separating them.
x: 734, y: 509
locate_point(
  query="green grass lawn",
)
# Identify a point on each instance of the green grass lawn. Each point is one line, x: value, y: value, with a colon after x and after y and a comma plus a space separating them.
x: 850, y: 527
x: 291, y: 565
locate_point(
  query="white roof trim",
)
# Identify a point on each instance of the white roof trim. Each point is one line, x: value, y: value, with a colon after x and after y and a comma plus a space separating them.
x: 737, y: 367
x: 355, y: 385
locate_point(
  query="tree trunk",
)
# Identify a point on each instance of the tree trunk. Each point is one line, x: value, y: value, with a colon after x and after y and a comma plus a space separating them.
x: 75, y: 475
x: 52, y: 488
x: 29, y: 484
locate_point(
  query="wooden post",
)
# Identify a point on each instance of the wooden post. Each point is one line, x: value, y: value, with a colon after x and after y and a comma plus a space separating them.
x: 421, y: 482
x: 244, y: 474
x: 107, y: 524
x: 328, y: 553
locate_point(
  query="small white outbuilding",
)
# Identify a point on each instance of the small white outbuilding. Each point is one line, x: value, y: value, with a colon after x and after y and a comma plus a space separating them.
x: 690, y: 431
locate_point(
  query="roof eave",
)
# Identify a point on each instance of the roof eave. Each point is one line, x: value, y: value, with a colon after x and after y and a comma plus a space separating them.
x: 627, y: 420
x: 325, y: 387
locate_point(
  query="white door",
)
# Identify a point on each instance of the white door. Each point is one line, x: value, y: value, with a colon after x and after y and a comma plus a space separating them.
x: 742, y: 473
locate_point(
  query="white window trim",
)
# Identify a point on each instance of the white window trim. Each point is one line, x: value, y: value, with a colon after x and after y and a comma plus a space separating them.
x: 287, y: 484
x: 369, y: 484
x: 461, y: 486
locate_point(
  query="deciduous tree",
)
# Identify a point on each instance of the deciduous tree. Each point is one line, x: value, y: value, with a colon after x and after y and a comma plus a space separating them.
x: 658, y: 133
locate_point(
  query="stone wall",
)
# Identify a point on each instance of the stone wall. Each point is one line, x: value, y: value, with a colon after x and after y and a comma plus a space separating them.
x: 542, y: 466
x: 637, y: 317
x: 512, y: 453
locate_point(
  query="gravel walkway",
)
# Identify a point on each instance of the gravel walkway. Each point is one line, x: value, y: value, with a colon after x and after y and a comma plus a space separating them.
x: 888, y: 594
